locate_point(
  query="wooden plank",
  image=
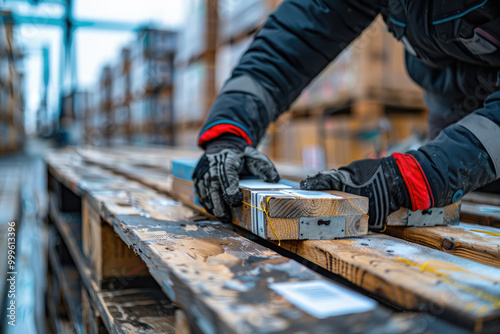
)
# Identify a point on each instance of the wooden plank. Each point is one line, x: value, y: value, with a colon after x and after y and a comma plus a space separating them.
x: 223, y: 266
x: 181, y: 323
x: 488, y: 215
x: 68, y: 225
x: 392, y: 290
x: 286, y: 207
x: 171, y: 211
x: 107, y: 255
x: 449, y: 215
x: 469, y: 241
x: 220, y: 264
x: 176, y: 253
x: 462, y: 291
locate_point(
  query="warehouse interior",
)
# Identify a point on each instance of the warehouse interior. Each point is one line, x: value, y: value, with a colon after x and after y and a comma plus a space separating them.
x: 101, y: 230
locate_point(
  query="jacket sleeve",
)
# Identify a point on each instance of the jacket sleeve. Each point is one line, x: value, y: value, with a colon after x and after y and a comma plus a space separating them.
x: 299, y: 39
x: 465, y: 155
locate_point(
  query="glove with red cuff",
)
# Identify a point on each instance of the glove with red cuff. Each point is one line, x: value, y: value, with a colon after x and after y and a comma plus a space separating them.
x: 216, y: 177
x: 389, y: 183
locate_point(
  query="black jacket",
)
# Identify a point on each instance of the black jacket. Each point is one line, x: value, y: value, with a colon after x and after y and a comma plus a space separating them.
x: 452, y: 50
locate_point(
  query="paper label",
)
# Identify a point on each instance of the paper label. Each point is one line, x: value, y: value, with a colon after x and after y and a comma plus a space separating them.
x: 323, y: 299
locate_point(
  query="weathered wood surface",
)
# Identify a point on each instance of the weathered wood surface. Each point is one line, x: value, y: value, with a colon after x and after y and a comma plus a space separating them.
x: 415, y: 298
x: 215, y: 273
x: 69, y: 226
x: 284, y: 210
x: 412, y: 276
x: 469, y: 241
x: 450, y: 216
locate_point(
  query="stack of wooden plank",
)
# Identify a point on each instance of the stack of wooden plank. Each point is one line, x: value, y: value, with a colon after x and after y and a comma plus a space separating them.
x: 11, y: 91
x: 227, y: 280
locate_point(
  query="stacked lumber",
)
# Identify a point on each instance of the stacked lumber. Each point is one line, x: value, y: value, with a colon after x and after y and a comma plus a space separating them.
x: 457, y: 283
x: 359, y: 106
x: 134, y: 99
x: 11, y: 91
x: 223, y: 281
x: 194, y: 84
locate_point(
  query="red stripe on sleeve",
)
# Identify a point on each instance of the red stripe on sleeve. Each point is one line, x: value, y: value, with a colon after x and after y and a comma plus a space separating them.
x: 416, y: 181
x: 221, y: 129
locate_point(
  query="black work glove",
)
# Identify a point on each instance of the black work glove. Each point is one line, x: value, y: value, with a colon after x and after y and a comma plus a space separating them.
x: 378, y: 179
x: 216, y: 177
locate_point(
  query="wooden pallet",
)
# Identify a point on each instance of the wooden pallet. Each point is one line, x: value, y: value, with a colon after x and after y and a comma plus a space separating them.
x: 382, y: 264
x: 205, y: 267
x: 113, y: 305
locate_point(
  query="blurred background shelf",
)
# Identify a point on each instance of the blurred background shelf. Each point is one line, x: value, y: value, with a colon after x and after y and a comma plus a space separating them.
x: 159, y: 87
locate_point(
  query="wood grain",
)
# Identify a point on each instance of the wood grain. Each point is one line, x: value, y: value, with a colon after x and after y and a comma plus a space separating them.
x: 469, y: 241
x: 285, y: 211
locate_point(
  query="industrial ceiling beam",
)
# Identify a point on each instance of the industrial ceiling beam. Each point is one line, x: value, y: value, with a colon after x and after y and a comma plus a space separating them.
x: 61, y: 22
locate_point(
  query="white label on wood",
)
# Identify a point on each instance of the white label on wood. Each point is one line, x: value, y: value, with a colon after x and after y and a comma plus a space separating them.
x: 323, y: 299
x: 258, y: 184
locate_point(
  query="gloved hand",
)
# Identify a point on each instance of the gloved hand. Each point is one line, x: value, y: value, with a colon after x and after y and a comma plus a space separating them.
x: 378, y: 179
x: 216, y: 177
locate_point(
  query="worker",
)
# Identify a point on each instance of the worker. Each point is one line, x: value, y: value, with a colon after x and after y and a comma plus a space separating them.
x: 452, y: 50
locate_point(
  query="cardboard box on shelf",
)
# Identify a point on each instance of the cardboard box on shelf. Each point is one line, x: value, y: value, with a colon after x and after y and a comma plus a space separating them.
x: 147, y: 74
x: 154, y: 43
x: 198, y: 36
x: 337, y: 141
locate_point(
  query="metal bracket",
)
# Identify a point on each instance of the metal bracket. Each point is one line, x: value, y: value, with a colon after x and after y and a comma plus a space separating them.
x: 320, y: 228
x: 431, y: 217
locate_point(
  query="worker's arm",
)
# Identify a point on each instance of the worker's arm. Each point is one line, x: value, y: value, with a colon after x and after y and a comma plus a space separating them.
x: 299, y: 39
x: 464, y: 157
